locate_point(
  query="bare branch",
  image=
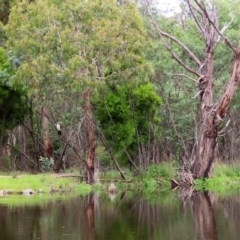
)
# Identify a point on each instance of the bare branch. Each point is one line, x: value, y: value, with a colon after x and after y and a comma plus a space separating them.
x: 190, y: 53
x: 164, y: 35
x: 226, y: 25
x: 223, y: 103
x: 186, y: 76
x: 204, y: 10
x: 171, y: 37
x: 198, y: 93
x: 195, y: 17
x: 177, y: 58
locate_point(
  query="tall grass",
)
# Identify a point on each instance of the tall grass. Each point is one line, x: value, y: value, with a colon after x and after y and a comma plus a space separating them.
x: 159, y: 175
x: 225, y: 179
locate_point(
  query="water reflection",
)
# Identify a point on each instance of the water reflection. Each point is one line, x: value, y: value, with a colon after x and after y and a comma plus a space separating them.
x: 198, y: 216
x: 204, y: 218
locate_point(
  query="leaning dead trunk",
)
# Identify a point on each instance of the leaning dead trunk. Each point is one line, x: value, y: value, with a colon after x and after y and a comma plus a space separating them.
x: 90, y: 161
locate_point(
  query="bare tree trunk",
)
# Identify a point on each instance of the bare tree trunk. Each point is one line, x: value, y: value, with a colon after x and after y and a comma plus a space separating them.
x: 47, y: 141
x: 203, y: 151
x: 210, y: 114
x: 90, y: 161
x: 203, y: 154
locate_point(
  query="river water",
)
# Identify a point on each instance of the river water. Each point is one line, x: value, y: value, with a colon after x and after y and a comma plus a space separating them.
x: 125, y: 216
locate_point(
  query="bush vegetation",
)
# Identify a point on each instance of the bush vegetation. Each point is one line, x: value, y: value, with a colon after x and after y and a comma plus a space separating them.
x: 225, y: 179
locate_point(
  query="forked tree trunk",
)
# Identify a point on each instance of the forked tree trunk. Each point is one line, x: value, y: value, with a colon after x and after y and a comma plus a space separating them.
x: 90, y: 161
x: 212, y: 116
x: 203, y: 152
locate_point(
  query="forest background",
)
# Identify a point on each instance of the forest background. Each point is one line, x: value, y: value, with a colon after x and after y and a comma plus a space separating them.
x: 99, y: 70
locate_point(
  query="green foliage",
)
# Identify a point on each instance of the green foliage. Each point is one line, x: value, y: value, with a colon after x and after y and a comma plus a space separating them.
x: 225, y: 180
x: 157, y: 177
x: 179, y: 108
x: 111, y: 174
x: 127, y: 111
x: 46, y: 164
x: 66, y: 46
x: 223, y: 170
x: 13, y: 98
x: 2, y: 35
x: 163, y: 170
x: 149, y: 185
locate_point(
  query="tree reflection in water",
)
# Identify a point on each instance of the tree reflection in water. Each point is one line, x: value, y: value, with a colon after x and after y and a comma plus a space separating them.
x: 91, y: 217
x: 162, y: 215
x: 204, y: 216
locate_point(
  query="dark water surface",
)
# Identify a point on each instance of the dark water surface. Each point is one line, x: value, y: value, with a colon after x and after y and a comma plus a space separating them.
x: 162, y: 216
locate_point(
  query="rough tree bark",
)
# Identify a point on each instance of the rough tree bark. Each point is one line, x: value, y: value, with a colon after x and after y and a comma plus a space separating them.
x: 211, y: 114
x: 203, y: 152
x: 47, y: 141
x: 90, y: 161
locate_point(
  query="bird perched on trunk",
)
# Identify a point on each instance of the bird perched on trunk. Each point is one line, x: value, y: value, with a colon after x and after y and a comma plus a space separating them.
x: 58, y: 126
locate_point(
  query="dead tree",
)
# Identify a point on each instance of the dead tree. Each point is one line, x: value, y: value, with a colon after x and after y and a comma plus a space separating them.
x: 211, y: 113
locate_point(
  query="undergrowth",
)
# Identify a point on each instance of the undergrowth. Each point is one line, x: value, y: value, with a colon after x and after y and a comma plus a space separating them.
x: 225, y: 179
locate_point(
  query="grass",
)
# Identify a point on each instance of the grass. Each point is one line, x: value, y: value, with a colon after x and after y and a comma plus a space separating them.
x: 225, y: 180
x: 152, y: 179
x: 156, y: 178
x: 42, y: 183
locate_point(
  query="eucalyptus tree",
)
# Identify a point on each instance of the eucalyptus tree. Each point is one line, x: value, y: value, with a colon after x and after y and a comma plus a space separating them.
x: 212, y: 110
x: 70, y: 48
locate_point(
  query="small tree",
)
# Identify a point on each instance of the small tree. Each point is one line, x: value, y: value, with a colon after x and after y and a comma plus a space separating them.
x: 128, y: 116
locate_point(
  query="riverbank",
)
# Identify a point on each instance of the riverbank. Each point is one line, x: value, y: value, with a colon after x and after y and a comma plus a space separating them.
x: 28, y: 184
x: 154, y: 178
x: 225, y: 179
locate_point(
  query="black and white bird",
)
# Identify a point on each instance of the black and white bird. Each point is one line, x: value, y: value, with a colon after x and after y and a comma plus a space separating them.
x: 58, y: 126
